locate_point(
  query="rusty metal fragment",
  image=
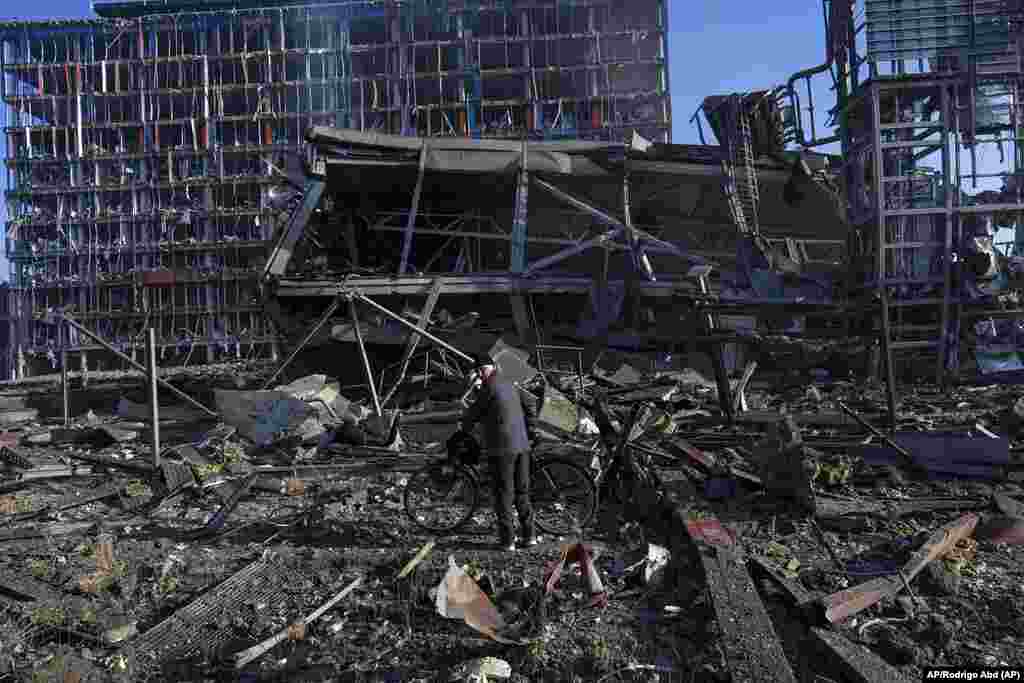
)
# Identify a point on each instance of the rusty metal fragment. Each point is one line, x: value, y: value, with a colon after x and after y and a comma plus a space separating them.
x: 844, y: 604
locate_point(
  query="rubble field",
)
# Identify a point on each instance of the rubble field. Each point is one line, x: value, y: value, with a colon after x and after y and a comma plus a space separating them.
x: 278, y: 548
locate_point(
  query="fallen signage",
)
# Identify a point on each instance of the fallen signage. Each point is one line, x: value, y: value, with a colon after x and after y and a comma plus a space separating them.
x: 844, y: 604
x: 752, y: 649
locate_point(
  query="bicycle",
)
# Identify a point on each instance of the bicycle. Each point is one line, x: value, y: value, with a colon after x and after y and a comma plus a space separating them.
x: 443, y: 496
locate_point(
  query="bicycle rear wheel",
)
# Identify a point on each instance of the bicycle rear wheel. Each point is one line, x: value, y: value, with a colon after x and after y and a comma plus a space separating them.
x: 563, y: 495
x: 441, y: 497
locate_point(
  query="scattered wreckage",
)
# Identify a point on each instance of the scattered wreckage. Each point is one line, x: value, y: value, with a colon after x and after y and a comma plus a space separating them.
x: 814, y: 532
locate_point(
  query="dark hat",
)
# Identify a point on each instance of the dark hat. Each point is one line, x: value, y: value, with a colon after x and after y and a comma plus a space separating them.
x: 481, y: 359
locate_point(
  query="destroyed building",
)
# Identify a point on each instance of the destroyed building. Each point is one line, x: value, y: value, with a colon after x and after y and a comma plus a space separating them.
x: 191, y: 169
x: 145, y: 146
x: 748, y: 528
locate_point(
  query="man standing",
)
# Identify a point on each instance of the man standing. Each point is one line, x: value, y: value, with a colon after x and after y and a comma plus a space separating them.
x: 501, y: 407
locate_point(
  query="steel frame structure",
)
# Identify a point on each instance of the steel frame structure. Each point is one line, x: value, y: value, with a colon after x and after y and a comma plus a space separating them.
x: 919, y: 115
x: 144, y: 147
x: 923, y: 90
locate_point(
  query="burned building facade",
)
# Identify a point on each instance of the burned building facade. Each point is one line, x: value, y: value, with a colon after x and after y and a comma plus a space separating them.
x: 146, y: 147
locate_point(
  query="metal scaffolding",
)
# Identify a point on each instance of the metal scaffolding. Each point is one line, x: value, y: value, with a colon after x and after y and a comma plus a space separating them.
x: 929, y: 116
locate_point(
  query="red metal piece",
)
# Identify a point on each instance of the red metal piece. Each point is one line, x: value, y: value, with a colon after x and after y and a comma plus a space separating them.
x: 709, y: 531
x: 844, y: 604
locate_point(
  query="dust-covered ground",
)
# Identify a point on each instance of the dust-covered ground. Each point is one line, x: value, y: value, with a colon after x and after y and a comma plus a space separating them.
x: 89, y: 592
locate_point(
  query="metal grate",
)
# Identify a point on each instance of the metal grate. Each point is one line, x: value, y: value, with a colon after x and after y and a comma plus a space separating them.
x: 206, y: 624
x: 177, y: 475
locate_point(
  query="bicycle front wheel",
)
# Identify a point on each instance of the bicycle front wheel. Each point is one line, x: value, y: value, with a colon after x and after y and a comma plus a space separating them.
x: 441, y: 497
x: 564, y: 497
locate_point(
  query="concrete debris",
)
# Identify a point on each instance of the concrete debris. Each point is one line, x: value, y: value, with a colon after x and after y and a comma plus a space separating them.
x: 786, y: 466
x: 481, y: 671
x: 752, y: 649
x: 324, y: 395
x: 856, y: 662
x: 264, y: 417
x: 304, y: 468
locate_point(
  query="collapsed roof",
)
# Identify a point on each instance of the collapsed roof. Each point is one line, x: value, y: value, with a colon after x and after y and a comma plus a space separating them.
x: 678, y: 187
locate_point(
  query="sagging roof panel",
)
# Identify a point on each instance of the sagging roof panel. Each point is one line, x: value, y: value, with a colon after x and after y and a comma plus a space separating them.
x: 570, y: 157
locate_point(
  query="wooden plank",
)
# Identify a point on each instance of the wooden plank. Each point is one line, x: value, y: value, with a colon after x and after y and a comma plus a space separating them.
x: 856, y: 662
x: 846, y: 603
x: 752, y: 649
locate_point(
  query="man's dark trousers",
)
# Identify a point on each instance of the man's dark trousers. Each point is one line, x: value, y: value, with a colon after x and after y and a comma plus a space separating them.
x: 510, y: 474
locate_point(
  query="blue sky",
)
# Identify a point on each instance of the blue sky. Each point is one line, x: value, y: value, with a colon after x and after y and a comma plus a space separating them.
x: 715, y: 47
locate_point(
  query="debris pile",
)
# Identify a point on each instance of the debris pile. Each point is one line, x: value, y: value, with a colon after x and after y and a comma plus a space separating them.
x: 278, y: 540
